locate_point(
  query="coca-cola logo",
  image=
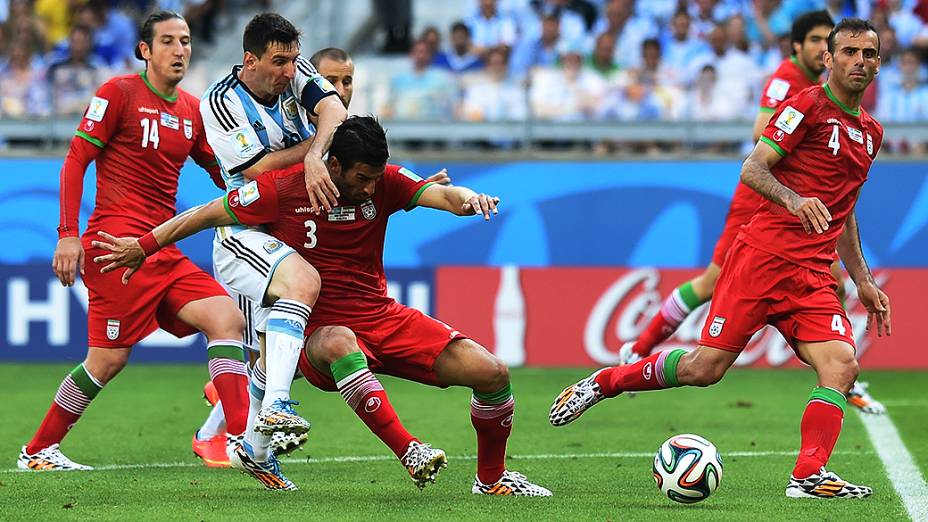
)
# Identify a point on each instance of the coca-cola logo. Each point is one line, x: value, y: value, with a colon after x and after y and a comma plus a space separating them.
x: 628, y: 304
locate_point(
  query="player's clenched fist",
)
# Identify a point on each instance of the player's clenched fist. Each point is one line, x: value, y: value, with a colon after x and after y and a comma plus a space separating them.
x: 68, y: 258
x: 480, y: 204
x: 812, y: 213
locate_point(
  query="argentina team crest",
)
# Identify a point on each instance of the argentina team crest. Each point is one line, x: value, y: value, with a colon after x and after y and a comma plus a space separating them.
x: 368, y: 210
x: 715, y: 329
x: 112, y: 329
x: 188, y: 128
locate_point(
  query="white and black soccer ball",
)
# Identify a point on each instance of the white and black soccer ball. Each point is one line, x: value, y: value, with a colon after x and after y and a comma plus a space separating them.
x: 687, y: 468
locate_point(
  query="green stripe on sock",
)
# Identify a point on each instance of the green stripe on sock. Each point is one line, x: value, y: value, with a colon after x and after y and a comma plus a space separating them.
x: 347, y: 365
x: 496, y: 397
x: 830, y: 396
x: 83, y: 381
x: 689, y: 297
x: 670, y: 367
x: 226, y: 351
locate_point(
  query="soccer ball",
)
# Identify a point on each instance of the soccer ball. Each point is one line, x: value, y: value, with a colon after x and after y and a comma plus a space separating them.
x: 687, y: 468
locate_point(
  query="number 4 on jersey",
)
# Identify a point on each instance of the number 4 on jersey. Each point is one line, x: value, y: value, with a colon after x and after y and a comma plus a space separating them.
x: 837, y: 325
x: 834, y: 143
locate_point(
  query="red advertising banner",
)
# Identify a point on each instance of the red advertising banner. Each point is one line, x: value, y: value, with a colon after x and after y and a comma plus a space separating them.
x: 547, y: 317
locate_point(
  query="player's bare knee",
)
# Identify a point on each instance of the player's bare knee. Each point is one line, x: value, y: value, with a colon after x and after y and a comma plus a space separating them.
x: 496, y: 375
x: 303, y: 285
x: 333, y: 343
x: 105, y: 364
x: 226, y: 323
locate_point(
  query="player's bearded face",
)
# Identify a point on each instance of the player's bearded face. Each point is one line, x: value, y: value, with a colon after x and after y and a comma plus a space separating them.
x: 856, y: 59
x: 277, y: 67
x: 170, y: 49
x: 358, y: 183
x: 812, y: 51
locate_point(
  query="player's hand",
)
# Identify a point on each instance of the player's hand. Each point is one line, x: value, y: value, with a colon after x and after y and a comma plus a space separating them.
x: 125, y: 252
x: 441, y: 177
x: 480, y: 204
x: 68, y: 259
x: 812, y: 213
x: 319, y: 185
x: 876, y: 302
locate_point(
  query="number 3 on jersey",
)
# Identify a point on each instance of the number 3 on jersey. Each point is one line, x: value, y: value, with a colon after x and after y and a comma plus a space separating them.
x: 311, y: 238
x: 837, y: 325
x: 149, y: 133
x: 834, y: 143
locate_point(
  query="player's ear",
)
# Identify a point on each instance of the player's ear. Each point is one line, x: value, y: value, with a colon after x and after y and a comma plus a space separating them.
x: 143, y: 52
x: 249, y: 60
x: 335, y: 168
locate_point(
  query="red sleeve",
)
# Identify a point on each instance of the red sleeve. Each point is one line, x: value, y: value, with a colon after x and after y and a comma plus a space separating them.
x: 402, y: 188
x: 80, y: 154
x: 790, y: 124
x: 258, y: 202
x: 203, y: 155
x: 104, y: 114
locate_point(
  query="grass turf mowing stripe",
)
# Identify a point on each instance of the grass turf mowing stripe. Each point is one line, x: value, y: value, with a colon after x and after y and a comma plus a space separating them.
x: 899, y: 464
x: 377, y: 458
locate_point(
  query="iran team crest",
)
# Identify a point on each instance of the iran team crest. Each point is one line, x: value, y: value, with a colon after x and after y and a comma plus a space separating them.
x: 112, y: 329
x: 715, y: 329
x: 368, y: 210
x: 188, y: 129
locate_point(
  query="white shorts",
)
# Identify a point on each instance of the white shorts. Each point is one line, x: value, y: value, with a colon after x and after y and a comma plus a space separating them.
x: 244, y: 262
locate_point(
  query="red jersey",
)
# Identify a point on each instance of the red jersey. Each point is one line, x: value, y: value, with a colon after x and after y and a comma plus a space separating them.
x: 144, y: 138
x: 827, y: 150
x: 789, y: 78
x: 344, y: 245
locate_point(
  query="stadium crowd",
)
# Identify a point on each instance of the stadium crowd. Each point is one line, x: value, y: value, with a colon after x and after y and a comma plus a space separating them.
x: 559, y: 60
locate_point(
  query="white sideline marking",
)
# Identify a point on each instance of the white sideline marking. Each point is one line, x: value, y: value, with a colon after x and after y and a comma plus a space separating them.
x: 376, y: 458
x: 899, y: 464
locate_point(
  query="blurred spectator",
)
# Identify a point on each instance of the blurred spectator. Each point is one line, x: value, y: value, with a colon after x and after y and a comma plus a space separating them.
x: 573, y: 29
x: 460, y: 57
x: 424, y: 92
x: 490, y: 96
x: 396, y: 18
x: 114, y: 34
x: 735, y: 70
x: 21, y: 91
x: 56, y: 17
x: 907, y: 99
x: 540, y: 52
x: 705, y: 15
x: 903, y: 19
x: 73, y: 80
x: 839, y: 9
x: 680, y: 47
x: 654, y: 72
x: 602, y: 61
x: 709, y: 101
x: 23, y: 29
x: 199, y: 14
x: 490, y: 30
x: 432, y: 39
x: 568, y: 93
x: 629, y: 31
x: 769, y: 19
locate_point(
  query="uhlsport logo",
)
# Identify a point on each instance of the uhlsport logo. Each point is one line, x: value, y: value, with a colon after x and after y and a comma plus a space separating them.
x: 646, y: 372
x: 507, y: 422
x: 372, y: 405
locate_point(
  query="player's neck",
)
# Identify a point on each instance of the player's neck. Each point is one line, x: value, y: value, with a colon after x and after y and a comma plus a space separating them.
x: 162, y: 87
x: 848, y: 101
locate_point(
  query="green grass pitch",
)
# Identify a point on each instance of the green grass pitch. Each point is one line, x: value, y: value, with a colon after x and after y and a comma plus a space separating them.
x: 599, y: 467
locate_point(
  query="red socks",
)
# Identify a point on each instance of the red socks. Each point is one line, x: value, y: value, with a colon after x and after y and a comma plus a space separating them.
x: 378, y: 414
x: 493, y: 423
x: 820, y: 427
x: 654, y: 372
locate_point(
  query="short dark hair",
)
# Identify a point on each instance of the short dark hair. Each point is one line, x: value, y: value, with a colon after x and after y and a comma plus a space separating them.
x: 360, y: 139
x: 460, y: 26
x: 266, y: 29
x: 147, y: 32
x: 331, y: 53
x: 803, y: 25
x: 854, y: 26
x: 651, y: 42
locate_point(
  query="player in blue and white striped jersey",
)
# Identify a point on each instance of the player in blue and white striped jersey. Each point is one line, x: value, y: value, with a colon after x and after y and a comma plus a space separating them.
x: 269, y: 112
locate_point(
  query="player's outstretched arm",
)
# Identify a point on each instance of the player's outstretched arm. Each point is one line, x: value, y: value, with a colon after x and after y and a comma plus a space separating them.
x: 755, y: 173
x: 131, y: 252
x: 330, y: 113
x: 460, y: 201
x: 875, y: 301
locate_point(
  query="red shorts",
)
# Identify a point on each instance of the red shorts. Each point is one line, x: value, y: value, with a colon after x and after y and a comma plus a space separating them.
x: 743, y: 205
x: 401, y: 341
x: 121, y: 315
x: 756, y: 288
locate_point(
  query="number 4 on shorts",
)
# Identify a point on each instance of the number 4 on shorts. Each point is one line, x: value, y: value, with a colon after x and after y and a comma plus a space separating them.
x: 837, y: 325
